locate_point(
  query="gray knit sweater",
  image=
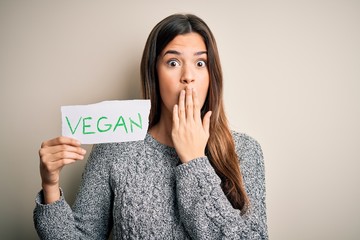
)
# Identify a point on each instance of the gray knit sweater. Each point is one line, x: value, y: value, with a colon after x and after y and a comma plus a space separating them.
x: 139, y: 191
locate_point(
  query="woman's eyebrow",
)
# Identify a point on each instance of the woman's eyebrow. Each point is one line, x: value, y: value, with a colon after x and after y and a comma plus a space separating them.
x: 200, y: 53
x: 172, y: 52
x: 179, y: 53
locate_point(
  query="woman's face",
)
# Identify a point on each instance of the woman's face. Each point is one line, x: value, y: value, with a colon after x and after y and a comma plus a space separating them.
x: 182, y: 63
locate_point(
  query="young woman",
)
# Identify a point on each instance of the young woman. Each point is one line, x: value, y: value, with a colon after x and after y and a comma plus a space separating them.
x: 190, y: 178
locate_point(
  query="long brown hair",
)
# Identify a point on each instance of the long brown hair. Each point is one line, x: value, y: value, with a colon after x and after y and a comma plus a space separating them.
x: 220, y: 148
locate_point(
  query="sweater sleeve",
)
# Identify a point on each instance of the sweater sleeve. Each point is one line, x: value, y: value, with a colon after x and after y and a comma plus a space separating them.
x: 90, y: 217
x: 204, y: 209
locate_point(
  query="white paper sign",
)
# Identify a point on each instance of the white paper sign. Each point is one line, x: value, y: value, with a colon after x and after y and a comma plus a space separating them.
x: 104, y: 122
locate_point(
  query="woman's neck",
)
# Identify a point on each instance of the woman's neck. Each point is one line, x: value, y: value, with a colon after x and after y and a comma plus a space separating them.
x: 162, y: 131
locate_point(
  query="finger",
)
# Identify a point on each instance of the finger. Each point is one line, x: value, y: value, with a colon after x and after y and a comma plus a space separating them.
x: 189, y: 104
x: 61, y: 148
x: 67, y: 155
x: 197, y: 109
x: 176, y: 117
x: 182, y: 115
x: 206, y: 122
x: 64, y: 162
x: 59, y: 156
x: 57, y: 165
x: 61, y: 140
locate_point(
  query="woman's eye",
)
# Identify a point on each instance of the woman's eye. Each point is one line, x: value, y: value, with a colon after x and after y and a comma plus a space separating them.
x: 173, y: 63
x: 201, y: 63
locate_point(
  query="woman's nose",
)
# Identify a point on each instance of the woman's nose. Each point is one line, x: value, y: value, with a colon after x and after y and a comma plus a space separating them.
x: 188, y: 75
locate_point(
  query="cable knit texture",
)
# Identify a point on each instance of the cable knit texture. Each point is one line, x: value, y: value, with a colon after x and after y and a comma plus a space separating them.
x: 138, y: 190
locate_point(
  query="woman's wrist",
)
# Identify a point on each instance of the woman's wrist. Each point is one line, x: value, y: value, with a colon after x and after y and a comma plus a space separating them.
x: 51, y: 193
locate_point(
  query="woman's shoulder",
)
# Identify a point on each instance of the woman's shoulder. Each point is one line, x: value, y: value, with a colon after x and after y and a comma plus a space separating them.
x: 246, y: 146
x: 244, y: 140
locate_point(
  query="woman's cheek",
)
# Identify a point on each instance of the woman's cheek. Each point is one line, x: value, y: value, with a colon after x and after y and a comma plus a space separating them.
x: 170, y: 99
